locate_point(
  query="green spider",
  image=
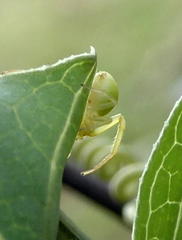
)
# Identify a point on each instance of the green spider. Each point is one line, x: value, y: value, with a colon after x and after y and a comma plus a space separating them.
x: 102, y: 99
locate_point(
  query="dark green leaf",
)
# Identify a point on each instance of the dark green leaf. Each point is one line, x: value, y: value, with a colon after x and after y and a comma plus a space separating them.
x: 159, y: 213
x: 41, y: 110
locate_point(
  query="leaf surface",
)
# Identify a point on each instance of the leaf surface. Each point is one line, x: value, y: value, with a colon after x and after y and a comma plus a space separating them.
x: 41, y: 111
x: 159, y: 211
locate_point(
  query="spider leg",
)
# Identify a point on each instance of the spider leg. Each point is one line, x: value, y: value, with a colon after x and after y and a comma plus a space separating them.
x: 120, y: 121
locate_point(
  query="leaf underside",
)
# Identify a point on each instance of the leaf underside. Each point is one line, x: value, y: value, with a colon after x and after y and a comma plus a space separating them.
x: 68, y: 231
x: 159, y: 211
x: 41, y: 110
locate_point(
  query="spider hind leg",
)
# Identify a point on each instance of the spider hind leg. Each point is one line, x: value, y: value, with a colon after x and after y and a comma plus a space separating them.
x: 120, y: 121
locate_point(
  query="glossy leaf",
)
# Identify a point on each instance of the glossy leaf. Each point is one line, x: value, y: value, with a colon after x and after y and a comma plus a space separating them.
x: 159, y: 212
x: 68, y: 231
x: 41, y: 110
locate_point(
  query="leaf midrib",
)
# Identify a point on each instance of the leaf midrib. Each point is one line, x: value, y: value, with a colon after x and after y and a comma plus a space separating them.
x: 56, y: 153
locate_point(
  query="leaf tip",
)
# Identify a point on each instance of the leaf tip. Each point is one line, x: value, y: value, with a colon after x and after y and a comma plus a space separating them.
x: 92, y: 50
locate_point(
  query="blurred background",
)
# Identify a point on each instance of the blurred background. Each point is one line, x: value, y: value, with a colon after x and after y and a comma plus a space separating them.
x: 139, y: 42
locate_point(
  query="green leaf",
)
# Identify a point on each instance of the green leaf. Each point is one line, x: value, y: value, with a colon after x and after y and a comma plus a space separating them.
x: 41, y: 111
x: 159, y: 211
x: 68, y: 231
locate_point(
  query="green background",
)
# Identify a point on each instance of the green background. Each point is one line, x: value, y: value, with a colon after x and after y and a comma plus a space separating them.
x: 139, y: 42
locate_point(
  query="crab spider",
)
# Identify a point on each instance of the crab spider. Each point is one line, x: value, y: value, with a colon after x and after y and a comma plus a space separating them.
x: 102, y: 99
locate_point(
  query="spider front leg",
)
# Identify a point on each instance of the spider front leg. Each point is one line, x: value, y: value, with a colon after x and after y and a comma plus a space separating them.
x: 116, y: 119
